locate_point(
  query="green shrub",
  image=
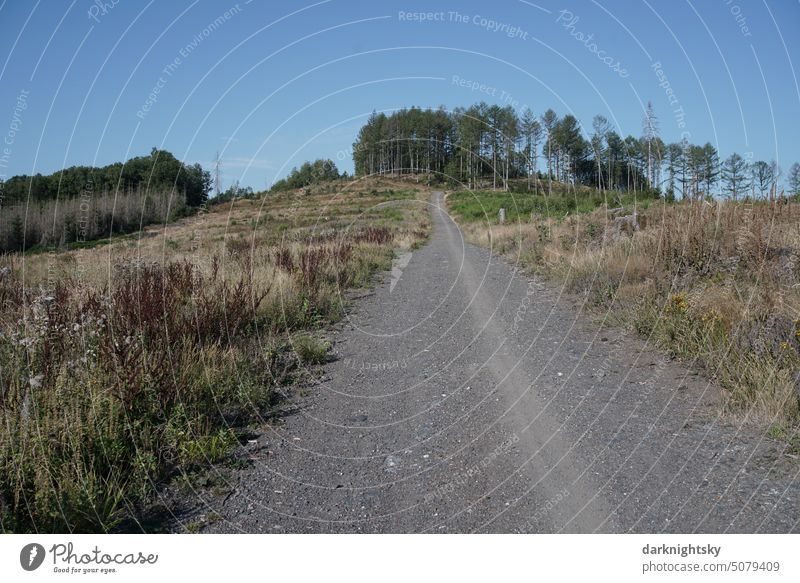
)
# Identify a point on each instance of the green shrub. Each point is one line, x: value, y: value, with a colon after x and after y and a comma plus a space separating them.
x: 310, y: 350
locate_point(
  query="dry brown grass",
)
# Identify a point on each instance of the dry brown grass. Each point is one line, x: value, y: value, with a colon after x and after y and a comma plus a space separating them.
x: 718, y: 283
x: 123, y: 364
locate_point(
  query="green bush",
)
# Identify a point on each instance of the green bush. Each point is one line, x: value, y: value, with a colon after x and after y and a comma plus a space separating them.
x: 310, y: 350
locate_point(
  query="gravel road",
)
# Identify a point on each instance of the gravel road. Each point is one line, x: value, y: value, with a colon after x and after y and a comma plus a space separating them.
x: 464, y: 397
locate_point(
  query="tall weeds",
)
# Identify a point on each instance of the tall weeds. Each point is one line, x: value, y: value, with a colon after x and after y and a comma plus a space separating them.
x: 105, y: 390
x: 714, y: 282
x: 112, y: 383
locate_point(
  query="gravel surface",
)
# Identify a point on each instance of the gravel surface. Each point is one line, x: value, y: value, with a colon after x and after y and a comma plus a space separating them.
x: 463, y: 397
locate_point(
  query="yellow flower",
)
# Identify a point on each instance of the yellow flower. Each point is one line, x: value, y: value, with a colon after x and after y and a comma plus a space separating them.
x: 676, y: 304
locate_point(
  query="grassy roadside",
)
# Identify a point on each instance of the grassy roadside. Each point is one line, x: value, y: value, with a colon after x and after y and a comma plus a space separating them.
x: 126, y: 364
x: 716, y: 282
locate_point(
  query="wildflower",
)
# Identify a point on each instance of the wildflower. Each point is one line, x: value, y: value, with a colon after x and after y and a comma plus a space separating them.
x: 676, y: 304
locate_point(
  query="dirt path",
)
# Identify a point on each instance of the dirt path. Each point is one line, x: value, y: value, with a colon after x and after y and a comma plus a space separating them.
x: 465, y: 397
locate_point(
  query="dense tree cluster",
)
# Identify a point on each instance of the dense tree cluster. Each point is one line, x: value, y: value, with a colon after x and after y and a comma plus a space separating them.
x: 158, y: 172
x: 309, y: 173
x: 56, y: 223
x: 489, y: 143
x: 234, y: 191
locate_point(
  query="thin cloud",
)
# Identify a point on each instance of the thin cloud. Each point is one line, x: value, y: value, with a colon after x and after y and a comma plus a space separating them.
x: 260, y: 163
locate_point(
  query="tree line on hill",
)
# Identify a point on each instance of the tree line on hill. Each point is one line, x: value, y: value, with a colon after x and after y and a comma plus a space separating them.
x: 157, y: 172
x: 492, y: 143
x: 321, y: 170
x: 84, y: 203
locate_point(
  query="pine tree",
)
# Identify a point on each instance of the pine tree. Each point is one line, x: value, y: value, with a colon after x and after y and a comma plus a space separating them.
x: 532, y: 132
x: 710, y: 168
x: 16, y: 234
x: 601, y: 128
x: 794, y: 179
x: 549, y: 121
x: 735, y: 175
x: 650, y: 133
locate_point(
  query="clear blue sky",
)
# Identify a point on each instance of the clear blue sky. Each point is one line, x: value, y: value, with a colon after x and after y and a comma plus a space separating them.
x: 271, y: 84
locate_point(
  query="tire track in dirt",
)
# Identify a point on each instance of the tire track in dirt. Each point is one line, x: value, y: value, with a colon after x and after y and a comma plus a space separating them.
x: 465, y: 397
